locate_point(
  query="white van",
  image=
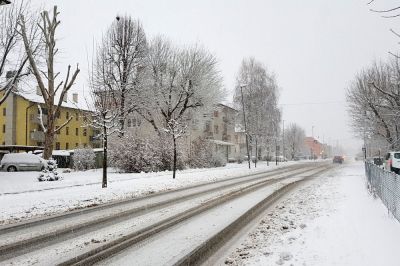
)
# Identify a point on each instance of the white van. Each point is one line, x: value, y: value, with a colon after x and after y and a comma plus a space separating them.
x: 12, y: 162
x: 392, y: 161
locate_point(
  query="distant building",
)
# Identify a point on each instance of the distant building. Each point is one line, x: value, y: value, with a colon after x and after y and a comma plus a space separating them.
x: 314, y: 147
x: 218, y: 126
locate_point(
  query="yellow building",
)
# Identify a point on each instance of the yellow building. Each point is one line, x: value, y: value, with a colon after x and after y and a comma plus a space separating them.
x: 20, y: 124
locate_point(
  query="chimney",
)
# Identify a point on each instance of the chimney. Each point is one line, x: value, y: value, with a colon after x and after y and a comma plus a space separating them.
x: 65, y: 98
x: 38, y: 91
x: 75, y: 97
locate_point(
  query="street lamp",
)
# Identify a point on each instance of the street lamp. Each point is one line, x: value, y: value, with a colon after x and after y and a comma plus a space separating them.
x: 4, y: 2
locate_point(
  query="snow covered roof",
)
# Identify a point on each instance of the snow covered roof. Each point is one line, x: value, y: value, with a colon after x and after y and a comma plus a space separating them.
x: 32, y: 96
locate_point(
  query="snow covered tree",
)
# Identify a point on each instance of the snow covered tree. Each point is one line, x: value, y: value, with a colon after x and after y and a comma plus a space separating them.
x: 48, y: 26
x: 83, y: 158
x: 374, y: 102
x: 124, y: 51
x: 294, y: 139
x: 179, y: 81
x: 256, y: 93
x: 13, y: 59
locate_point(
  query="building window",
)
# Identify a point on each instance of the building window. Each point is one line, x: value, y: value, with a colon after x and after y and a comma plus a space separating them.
x: 76, y: 145
x: 84, y: 145
x: 57, y: 130
x: 76, y: 131
x: 67, y: 146
x: 216, y: 129
x: 76, y: 116
x: 84, y: 132
x: 4, y: 111
x: 129, y: 123
x: 67, y: 115
x: 66, y: 130
x: 215, y: 113
x: 4, y: 128
x: 58, y: 114
x: 57, y: 145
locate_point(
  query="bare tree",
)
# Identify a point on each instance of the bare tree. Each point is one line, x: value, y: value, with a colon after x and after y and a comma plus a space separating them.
x: 13, y: 58
x: 374, y: 102
x: 180, y: 81
x: 125, y: 51
x: 259, y: 102
x: 48, y: 26
x: 294, y: 139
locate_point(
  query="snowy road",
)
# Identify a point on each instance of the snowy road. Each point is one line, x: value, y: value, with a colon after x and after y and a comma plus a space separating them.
x: 331, y: 221
x: 102, y: 233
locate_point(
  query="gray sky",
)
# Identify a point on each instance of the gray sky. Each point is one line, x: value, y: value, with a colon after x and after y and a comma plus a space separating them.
x: 314, y: 47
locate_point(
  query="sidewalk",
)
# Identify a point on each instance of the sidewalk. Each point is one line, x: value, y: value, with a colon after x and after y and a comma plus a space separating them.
x: 331, y: 221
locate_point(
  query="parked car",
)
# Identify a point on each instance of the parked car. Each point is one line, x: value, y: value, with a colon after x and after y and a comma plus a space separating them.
x: 392, y: 161
x: 12, y: 162
x: 338, y: 159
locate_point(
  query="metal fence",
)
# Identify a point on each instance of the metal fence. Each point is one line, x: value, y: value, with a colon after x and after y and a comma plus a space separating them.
x: 385, y: 185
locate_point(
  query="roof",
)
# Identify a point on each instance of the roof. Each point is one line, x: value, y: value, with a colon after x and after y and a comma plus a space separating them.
x: 30, y: 95
x: 228, y: 105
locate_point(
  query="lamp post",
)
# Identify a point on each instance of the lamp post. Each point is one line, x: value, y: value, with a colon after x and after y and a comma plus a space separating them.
x: 245, y: 127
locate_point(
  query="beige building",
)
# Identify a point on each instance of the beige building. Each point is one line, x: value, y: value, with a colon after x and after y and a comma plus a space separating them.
x: 218, y: 126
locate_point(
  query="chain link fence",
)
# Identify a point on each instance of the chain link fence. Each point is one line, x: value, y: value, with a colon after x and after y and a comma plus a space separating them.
x: 386, y: 186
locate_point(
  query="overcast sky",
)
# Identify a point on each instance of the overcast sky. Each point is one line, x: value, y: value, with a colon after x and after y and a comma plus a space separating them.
x: 314, y: 47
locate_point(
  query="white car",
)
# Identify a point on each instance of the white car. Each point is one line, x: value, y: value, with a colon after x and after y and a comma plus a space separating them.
x: 12, y: 162
x: 392, y: 161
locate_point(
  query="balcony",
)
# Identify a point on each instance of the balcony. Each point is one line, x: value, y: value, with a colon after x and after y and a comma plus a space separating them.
x: 37, y: 136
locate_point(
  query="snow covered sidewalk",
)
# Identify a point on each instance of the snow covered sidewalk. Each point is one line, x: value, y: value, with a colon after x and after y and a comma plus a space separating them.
x: 330, y: 221
x: 22, y: 196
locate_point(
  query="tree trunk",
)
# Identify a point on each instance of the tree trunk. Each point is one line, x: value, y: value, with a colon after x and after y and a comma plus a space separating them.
x: 49, y: 137
x: 255, y: 161
x: 175, y: 157
x: 104, y: 183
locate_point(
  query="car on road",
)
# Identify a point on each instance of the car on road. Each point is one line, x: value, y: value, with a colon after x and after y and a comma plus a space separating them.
x: 338, y: 159
x: 13, y: 162
x: 392, y: 161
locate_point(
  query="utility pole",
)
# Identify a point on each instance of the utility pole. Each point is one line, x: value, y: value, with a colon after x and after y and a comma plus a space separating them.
x: 245, y: 127
x: 365, y: 137
x: 283, y: 139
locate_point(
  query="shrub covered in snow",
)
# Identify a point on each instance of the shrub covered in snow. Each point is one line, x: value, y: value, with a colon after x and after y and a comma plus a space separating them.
x: 49, y: 173
x: 135, y: 155
x: 203, y: 155
x: 84, y: 159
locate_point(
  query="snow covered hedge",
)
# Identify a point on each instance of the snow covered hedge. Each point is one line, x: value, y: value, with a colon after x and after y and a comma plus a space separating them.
x: 84, y: 159
x: 134, y: 155
x: 203, y: 155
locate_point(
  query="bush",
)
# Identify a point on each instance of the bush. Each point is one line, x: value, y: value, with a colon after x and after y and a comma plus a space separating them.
x: 133, y: 155
x: 84, y: 159
x: 49, y: 172
x: 203, y: 155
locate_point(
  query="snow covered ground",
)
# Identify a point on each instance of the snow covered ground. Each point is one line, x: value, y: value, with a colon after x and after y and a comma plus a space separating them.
x: 330, y: 221
x: 22, y: 196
